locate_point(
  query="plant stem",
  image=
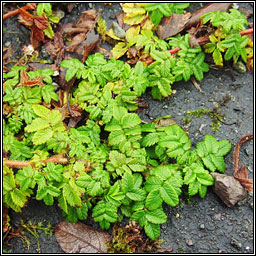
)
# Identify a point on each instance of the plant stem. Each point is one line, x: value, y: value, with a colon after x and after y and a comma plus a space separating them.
x: 202, y: 41
x: 29, y: 6
x: 246, y: 32
x: 57, y: 159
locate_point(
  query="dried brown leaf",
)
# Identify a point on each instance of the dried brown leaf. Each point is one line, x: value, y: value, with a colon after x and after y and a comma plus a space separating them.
x: 87, y: 20
x: 178, y: 22
x: 76, y: 40
x: 25, y: 81
x: 80, y: 238
x: 172, y: 25
x: 241, y: 174
x: 41, y: 22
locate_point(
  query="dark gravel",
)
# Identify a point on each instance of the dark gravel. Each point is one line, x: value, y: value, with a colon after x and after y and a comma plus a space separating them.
x: 200, y: 225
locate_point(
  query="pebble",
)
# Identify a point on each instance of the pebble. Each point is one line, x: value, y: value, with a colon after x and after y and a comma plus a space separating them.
x: 165, y: 106
x: 202, y: 226
x: 236, y: 244
x: 8, y: 43
x: 217, y: 216
x: 189, y: 242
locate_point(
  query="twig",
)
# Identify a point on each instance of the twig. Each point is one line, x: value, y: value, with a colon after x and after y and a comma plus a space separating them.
x: 57, y: 159
x: 195, y: 84
x: 29, y: 6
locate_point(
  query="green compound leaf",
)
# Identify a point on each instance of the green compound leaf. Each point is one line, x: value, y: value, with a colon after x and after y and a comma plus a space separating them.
x: 152, y: 230
x: 153, y: 200
x: 224, y: 147
x: 169, y: 194
x: 105, y: 213
x: 37, y: 124
x: 48, y: 93
x: 156, y: 216
x: 130, y: 120
x: 211, y: 144
x: 72, y: 197
x: 116, y: 137
x: 19, y: 197
x: 42, y: 136
x: 175, y: 140
x: 43, y: 8
x: 136, y: 194
x: 41, y: 111
x: 74, y: 67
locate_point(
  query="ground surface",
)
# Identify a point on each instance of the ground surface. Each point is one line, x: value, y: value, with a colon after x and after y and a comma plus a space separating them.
x: 203, y: 225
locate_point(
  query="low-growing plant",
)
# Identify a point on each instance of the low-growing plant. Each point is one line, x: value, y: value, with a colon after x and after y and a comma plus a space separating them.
x: 111, y: 164
x: 227, y: 40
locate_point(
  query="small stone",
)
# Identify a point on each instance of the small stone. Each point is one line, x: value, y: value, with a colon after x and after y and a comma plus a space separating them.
x: 8, y: 43
x: 177, y: 215
x: 165, y: 106
x: 217, y: 216
x: 189, y: 242
x: 202, y: 226
x: 240, y: 67
x: 247, y: 248
x: 236, y: 244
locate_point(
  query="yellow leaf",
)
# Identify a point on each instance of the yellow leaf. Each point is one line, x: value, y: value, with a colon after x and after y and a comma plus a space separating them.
x: 111, y: 34
x: 131, y: 8
x: 147, y: 24
x: 132, y: 32
x: 119, y: 50
x: 133, y: 20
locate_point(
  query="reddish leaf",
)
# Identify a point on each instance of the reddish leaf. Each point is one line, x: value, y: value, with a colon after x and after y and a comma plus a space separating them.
x: 26, y: 82
x: 78, y: 39
x: 41, y: 22
x: 222, y: 7
x: 25, y: 18
x: 241, y: 174
x: 80, y: 238
x: 87, y: 20
x: 36, y: 36
x: 172, y: 25
x: 178, y: 22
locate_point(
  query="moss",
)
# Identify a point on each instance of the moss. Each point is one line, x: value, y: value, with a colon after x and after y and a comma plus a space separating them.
x: 215, y: 114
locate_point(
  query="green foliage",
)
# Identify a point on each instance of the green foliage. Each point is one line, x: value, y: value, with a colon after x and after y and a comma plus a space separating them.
x: 114, y: 165
x: 190, y: 61
x: 158, y: 10
x: 227, y: 38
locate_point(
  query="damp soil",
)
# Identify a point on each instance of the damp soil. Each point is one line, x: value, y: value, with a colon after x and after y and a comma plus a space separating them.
x: 196, y: 225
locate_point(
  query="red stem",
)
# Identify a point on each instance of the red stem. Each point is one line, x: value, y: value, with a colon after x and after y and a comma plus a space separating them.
x: 246, y: 32
x: 202, y: 41
x: 29, y: 6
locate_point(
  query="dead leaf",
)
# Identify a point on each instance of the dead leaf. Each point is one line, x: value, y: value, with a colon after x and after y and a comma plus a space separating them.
x: 120, y: 21
x: 164, y: 122
x: 172, y: 25
x: 228, y: 189
x: 222, y: 7
x: 241, y: 174
x: 176, y: 23
x: 41, y: 22
x: 80, y: 238
x: 25, y: 81
x: 76, y: 40
x: 88, y: 20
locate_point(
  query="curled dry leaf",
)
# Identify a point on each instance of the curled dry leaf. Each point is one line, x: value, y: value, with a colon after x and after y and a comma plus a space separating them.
x: 241, y: 174
x: 25, y: 81
x: 176, y: 23
x: 80, y: 238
